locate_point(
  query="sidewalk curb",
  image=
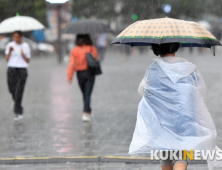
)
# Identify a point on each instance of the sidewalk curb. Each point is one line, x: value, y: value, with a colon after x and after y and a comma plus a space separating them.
x: 128, y: 159
x: 141, y: 160
x: 81, y: 159
x: 42, y: 160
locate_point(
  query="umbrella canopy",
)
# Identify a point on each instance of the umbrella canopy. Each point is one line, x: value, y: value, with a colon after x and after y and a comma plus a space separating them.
x: 86, y: 26
x: 20, y: 23
x: 166, y: 30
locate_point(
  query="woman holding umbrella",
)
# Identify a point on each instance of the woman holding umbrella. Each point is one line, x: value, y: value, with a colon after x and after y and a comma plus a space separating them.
x: 18, y: 55
x: 172, y: 114
x: 78, y: 62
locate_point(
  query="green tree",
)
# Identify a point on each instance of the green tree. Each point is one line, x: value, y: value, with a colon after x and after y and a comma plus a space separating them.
x: 146, y: 9
x: 33, y: 8
x: 97, y: 8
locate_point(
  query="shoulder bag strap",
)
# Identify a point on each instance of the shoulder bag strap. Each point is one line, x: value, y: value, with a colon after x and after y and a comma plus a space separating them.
x: 91, y: 50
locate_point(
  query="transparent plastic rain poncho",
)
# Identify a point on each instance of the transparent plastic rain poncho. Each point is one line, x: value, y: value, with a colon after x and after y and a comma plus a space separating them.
x: 172, y: 114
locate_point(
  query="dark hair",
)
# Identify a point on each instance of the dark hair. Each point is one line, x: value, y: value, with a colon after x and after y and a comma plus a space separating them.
x: 18, y: 32
x: 83, y: 39
x: 163, y: 49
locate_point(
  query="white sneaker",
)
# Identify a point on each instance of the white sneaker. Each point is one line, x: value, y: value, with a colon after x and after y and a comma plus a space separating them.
x: 18, y: 117
x: 86, y: 118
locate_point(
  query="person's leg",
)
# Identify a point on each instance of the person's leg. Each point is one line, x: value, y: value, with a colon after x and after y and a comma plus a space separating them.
x: 81, y: 81
x: 87, y: 94
x: 167, y: 167
x: 102, y: 51
x: 99, y: 52
x: 180, y: 164
x: 19, y: 90
x: 166, y: 164
x: 11, y: 80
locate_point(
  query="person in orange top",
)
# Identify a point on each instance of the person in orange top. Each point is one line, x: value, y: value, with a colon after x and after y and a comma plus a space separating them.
x: 78, y: 63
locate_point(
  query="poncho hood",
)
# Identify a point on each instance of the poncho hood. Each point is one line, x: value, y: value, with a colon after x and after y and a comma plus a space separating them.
x: 175, y: 68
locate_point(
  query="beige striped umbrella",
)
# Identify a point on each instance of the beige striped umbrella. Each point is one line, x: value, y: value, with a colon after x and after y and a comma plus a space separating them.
x: 166, y: 30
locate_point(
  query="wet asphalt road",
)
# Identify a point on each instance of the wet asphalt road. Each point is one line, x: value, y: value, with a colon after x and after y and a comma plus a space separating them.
x: 52, y: 123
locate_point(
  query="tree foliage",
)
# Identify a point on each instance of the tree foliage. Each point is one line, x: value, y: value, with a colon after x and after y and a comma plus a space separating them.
x: 33, y: 8
x: 146, y: 9
x: 94, y: 8
x: 105, y: 9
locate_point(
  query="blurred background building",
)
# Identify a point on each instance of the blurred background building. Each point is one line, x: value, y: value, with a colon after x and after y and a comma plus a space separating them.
x: 119, y: 13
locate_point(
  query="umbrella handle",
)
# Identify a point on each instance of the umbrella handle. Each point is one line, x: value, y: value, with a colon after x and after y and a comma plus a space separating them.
x: 214, y: 50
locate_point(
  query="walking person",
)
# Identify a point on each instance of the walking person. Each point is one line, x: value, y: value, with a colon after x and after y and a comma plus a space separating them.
x: 78, y: 63
x: 172, y: 114
x: 101, y: 44
x: 18, y: 54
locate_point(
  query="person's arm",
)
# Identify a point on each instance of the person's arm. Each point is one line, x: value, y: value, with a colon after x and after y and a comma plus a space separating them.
x: 26, y: 53
x: 71, y: 67
x: 25, y: 56
x: 141, y: 89
x: 95, y: 53
x: 8, y: 56
x: 8, y: 52
x: 144, y: 83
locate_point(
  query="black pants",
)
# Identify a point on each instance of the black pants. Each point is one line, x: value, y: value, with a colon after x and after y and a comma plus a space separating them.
x: 16, y: 78
x: 86, y: 82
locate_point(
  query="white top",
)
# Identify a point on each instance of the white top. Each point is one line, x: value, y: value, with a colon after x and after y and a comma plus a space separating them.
x: 101, y: 40
x: 16, y: 59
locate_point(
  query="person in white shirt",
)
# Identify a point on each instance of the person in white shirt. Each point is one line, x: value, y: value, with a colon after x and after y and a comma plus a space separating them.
x: 101, y: 44
x: 18, y: 54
